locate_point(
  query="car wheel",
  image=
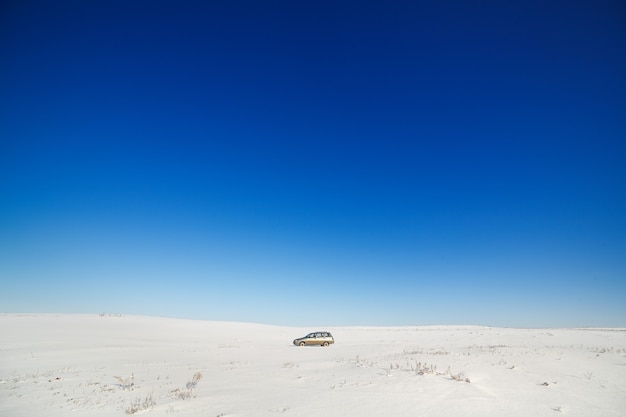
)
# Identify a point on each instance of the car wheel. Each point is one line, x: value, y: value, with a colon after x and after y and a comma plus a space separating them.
x: 325, y: 344
x: 301, y: 344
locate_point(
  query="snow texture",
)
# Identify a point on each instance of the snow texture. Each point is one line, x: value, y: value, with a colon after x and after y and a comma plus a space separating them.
x: 108, y: 365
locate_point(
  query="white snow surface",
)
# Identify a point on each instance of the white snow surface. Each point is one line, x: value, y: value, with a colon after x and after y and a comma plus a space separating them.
x: 111, y: 365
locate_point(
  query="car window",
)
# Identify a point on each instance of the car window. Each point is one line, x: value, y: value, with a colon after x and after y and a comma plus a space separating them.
x: 318, y: 335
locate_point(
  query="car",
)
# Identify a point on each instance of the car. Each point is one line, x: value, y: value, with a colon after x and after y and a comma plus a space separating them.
x: 315, y: 338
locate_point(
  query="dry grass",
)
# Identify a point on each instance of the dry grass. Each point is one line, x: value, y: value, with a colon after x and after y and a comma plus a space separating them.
x: 141, y: 404
x: 187, y: 392
x: 126, y: 383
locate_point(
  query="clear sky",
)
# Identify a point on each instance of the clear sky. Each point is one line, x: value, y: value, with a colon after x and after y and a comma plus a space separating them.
x: 315, y: 163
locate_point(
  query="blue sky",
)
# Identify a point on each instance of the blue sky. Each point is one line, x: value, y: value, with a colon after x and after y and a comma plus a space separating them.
x: 331, y: 163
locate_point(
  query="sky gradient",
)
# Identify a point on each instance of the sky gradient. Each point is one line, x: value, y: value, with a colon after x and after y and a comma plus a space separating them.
x: 331, y: 163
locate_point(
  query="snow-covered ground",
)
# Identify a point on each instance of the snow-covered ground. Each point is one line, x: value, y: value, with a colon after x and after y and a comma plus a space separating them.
x: 108, y: 365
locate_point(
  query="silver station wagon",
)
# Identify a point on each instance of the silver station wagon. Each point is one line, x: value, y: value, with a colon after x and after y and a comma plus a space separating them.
x: 316, y: 338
